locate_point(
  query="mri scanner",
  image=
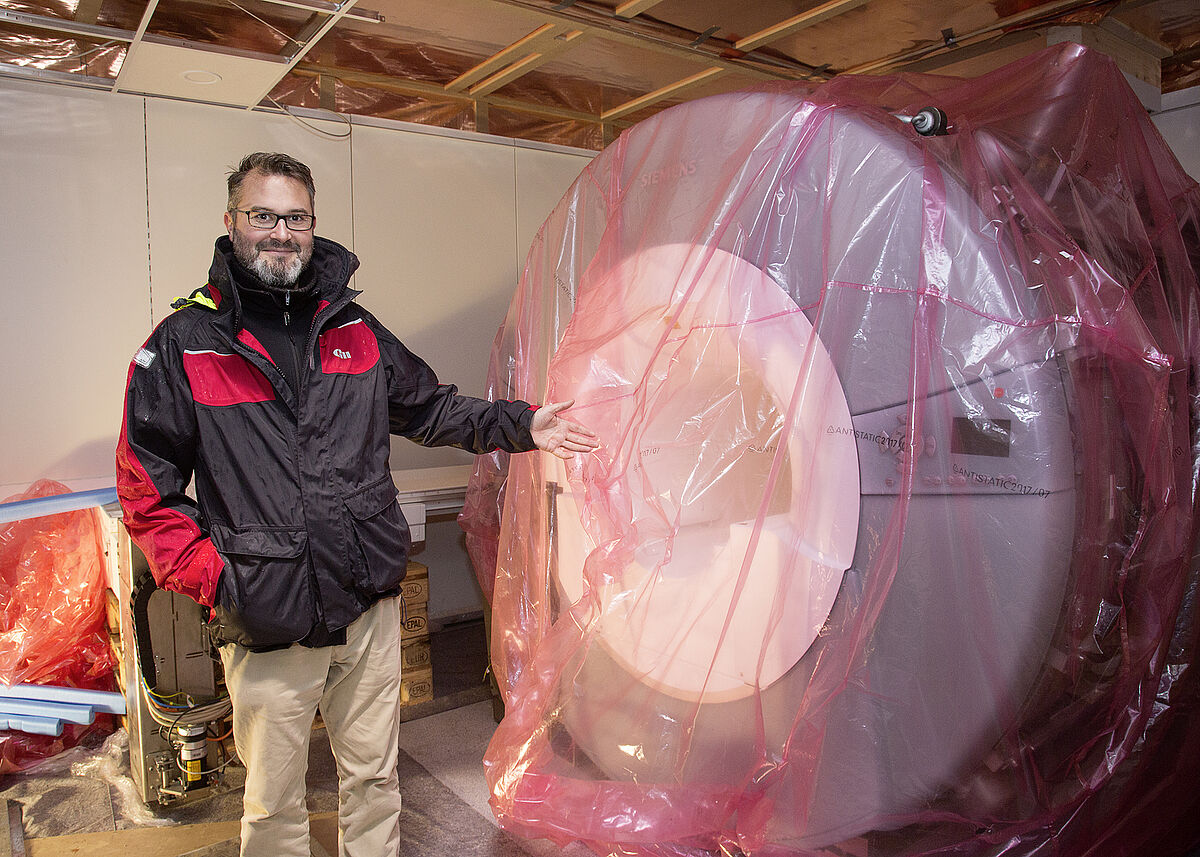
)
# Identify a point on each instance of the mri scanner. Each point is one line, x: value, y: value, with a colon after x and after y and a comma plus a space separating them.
x: 824, y: 548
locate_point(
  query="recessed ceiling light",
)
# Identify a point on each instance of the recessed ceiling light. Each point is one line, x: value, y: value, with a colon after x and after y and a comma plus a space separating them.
x: 201, y: 76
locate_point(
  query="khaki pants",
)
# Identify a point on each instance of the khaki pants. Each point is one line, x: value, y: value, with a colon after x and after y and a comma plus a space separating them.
x: 275, y: 696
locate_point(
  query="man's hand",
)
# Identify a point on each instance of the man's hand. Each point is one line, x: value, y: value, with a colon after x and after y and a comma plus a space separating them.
x: 556, y: 435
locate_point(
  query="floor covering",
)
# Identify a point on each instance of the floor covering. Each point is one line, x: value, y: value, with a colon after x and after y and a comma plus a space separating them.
x: 84, y: 803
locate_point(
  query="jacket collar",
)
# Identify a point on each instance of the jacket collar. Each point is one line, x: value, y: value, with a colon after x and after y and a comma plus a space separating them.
x: 332, y: 264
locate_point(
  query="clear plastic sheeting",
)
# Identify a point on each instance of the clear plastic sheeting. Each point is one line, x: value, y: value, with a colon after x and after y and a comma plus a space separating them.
x: 52, y: 617
x: 105, y: 761
x: 888, y: 549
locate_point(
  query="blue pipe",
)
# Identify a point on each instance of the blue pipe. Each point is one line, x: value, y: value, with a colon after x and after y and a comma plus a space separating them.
x: 32, y: 725
x: 40, y: 506
x: 81, y: 714
x: 98, y: 700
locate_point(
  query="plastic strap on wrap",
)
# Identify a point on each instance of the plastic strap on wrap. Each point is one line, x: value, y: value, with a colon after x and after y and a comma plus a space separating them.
x: 888, y: 547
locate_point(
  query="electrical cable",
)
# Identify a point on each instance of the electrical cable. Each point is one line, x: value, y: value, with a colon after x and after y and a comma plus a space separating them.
x: 314, y: 128
x: 163, y: 712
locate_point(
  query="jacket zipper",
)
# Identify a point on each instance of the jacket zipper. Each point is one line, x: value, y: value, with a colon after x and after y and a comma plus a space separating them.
x: 309, y: 344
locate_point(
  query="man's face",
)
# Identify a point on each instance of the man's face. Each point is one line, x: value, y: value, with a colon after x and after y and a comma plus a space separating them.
x: 277, y: 255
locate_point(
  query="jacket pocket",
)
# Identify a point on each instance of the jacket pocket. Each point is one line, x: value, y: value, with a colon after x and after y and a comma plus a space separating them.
x: 265, y: 595
x: 381, y: 537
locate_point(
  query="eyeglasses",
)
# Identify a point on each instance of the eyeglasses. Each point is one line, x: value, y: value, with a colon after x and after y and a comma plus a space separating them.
x: 268, y: 219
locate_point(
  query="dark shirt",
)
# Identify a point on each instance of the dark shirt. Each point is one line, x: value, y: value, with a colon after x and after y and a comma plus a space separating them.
x: 281, y: 321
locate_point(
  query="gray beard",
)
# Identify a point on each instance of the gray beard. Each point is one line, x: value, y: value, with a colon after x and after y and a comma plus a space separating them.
x: 277, y: 275
x: 281, y: 275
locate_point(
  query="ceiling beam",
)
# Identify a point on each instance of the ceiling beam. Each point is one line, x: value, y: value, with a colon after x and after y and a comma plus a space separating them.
x: 662, y: 38
x: 827, y: 10
x: 633, y: 8
x: 88, y: 11
x: 522, y: 47
x: 435, y: 92
x: 383, y: 81
x: 975, y: 49
x: 544, y: 110
x: 518, y: 69
x: 1127, y: 32
x: 1058, y: 7
x: 661, y: 94
x: 525, y: 65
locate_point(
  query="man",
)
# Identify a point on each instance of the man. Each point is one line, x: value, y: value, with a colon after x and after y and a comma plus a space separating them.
x: 277, y: 392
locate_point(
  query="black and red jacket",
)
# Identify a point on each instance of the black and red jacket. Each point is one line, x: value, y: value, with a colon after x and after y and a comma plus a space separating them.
x: 295, y: 530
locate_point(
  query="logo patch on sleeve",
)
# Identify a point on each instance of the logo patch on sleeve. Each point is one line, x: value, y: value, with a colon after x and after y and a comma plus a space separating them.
x: 144, y: 358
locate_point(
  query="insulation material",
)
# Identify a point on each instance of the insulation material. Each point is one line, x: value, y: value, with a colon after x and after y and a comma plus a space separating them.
x: 564, y: 132
x: 300, y: 89
x: 50, y: 52
x: 888, y: 547
x: 52, y: 617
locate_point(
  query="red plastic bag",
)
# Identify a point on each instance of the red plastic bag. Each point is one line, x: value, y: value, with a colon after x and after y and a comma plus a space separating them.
x: 52, y: 618
x: 889, y: 543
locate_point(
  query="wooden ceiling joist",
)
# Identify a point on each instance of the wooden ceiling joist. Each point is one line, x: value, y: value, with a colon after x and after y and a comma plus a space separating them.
x: 88, y: 11
x: 1046, y: 10
x: 816, y: 15
x: 639, y: 33
x: 518, y: 50
x: 526, y: 64
x: 518, y: 69
x: 633, y: 8
x: 661, y: 94
x: 435, y: 92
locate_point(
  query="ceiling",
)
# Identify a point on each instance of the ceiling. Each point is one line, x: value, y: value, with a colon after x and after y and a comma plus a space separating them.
x: 574, y: 72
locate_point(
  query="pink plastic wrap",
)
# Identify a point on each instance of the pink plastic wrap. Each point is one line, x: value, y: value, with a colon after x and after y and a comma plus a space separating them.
x: 52, y: 617
x: 888, y: 549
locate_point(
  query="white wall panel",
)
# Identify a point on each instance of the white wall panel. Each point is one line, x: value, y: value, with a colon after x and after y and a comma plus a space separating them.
x: 435, y: 224
x: 73, y: 181
x: 115, y: 202
x: 191, y: 148
x: 542, y: 179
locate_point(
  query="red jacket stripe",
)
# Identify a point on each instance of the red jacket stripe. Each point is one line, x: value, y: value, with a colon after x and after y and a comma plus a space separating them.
x: 181, y: 558
x: 225, y: 379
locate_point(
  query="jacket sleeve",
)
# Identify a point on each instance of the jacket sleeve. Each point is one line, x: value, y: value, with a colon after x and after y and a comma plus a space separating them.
x: 434, y: 414
x: 155, y: 455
